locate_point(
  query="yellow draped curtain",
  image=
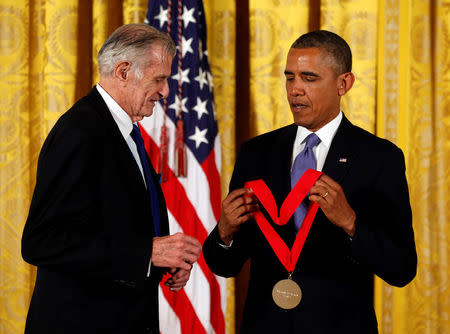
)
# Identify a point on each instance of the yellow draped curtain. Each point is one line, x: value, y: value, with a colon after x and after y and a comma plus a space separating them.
x: 402, y: 92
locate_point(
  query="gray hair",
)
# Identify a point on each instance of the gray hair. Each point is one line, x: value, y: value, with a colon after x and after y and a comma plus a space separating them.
x: 132, y: 42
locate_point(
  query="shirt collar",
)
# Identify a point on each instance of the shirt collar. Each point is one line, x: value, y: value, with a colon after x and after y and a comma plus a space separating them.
x: 120, y: 116
x: 325, y: 133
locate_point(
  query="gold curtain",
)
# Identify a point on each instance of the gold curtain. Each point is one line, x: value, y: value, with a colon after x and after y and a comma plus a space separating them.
x: 42, y: 65
x: 402, y: 66
x: 47, y: 61
x: 273, y: 25
x: 356, y: 22
x: 413, y: 111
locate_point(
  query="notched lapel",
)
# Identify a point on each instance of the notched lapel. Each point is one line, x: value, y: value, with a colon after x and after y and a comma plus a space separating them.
x: 341, y: 154
x: 336, y: 165
x: 129, y: 168
x: 280, y: 167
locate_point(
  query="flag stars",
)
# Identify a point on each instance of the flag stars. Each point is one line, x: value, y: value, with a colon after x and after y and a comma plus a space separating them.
x: 188, y: 16
x: 201, y: 78
x: 182, y: 76
x: 186, y: 46
x: 199, y: 136
x: 200, y: 108
x: 162, y: 16
x: 176, y: 105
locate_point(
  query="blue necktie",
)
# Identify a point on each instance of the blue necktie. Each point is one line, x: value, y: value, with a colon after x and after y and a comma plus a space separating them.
x: 145, y: 162
x: 304, y: 160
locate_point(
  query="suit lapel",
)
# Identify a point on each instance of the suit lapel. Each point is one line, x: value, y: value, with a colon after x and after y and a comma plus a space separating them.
x: 128, y: 168
x: 281, y: 167
x: 340, y: 154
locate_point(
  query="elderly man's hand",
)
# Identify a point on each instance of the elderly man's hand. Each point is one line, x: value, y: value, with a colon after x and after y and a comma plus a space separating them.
x: 175, y: 251
x: 178, y: 280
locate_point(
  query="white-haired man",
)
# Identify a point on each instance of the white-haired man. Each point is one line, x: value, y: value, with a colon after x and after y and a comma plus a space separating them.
x: 97, y: 228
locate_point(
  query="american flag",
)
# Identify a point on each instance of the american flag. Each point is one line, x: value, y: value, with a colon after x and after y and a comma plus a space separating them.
x: 193, y: 200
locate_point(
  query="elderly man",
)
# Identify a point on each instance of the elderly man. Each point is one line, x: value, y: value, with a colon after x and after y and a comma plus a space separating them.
x: 315, y: 275
x: 97, y: 228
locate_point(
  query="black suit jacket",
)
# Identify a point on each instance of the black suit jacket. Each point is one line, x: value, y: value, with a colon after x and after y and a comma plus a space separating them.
x: 334, y: 272
x: 90, y: 230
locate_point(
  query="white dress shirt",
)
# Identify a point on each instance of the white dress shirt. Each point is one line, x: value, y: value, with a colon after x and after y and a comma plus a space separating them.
x: 326, y: 135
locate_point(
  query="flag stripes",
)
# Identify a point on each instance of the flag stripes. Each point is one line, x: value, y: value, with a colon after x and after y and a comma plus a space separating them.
x: 188, y: 209
x: 193, y: 201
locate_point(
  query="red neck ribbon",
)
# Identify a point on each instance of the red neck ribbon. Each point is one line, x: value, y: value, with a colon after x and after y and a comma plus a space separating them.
x: 287, y: 257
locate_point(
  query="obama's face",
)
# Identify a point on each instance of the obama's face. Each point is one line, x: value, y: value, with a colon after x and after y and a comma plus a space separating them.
x: 313, y: 87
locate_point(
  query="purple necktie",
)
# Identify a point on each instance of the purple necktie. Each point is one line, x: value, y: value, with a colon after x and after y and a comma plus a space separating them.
x: 304, y: 160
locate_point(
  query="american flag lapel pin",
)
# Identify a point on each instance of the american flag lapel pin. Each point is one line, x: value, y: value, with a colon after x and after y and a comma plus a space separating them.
x: 343, y: 160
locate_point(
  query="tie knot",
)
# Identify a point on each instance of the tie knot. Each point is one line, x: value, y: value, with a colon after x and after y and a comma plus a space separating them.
x: 135, y: 133
x: 135, y: 129
x: 312, y: 140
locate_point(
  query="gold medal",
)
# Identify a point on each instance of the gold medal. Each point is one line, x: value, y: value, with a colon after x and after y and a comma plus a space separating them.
x: 287, y: 294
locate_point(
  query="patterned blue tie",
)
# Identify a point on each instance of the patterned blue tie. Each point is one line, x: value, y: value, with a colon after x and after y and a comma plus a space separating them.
x: 304, y: 160
x: 136, y: 135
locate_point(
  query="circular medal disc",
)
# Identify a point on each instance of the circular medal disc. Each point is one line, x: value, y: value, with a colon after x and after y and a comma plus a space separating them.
x: 286, y: 294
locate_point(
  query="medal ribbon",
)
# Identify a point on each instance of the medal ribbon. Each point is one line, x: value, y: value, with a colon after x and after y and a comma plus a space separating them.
x: 287, y: 257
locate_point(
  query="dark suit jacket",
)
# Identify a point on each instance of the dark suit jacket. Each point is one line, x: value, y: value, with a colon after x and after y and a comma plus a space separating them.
x: 334, y: 272
x: 90, y: 230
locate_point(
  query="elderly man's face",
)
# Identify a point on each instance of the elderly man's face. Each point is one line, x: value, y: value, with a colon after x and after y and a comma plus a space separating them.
x: 312, y: 87
x: 142, y: 94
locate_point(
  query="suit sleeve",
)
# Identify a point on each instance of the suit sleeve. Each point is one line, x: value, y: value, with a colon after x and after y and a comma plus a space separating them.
x: 384, y: 237
x: 228, y: 261
x: 64, y: 230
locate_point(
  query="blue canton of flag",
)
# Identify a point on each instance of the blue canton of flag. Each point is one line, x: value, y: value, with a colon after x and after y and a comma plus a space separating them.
x: 197, y: 106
